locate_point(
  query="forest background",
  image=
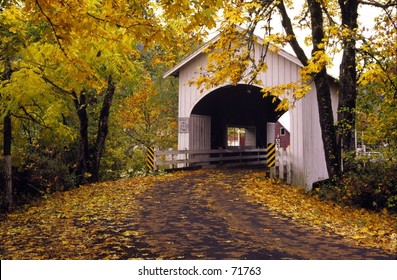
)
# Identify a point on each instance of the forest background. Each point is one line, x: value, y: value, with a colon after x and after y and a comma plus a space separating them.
x: 82, y: 94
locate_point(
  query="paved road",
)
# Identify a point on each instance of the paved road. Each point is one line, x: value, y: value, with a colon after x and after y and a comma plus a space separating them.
x: 206, y: 217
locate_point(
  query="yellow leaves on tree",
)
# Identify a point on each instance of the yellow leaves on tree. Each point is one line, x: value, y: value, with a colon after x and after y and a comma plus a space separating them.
x: 237, y: 55
x: 198, y: 17
x: 318, y: 61
x: 373, y: 74
x: 147, y: 118
x: 94, y: 18
x: 229, y: 61
x: 377, y: 82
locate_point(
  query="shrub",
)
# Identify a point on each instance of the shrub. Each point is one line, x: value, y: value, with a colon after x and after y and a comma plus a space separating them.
x: 370, y: 184
x: 120, y: 163
x: 42, y: 172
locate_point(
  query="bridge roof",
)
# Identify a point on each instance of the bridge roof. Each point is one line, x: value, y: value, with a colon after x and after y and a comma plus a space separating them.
x: 175, y: 70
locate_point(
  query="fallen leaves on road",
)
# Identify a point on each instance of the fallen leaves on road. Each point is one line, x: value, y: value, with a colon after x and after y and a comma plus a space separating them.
x: 90, y: 222
x: 374, y: 229
x: 96, y: 221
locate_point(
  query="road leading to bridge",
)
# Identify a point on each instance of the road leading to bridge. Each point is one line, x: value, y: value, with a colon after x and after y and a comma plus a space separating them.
x: 206, y: 216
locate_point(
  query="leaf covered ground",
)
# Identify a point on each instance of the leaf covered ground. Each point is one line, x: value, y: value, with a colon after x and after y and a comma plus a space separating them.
x: 84, y: 223
x: 363, y: 227
x: 99, y: 221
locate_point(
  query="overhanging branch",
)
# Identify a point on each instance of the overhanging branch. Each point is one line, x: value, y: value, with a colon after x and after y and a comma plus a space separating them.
x: 287, y: 24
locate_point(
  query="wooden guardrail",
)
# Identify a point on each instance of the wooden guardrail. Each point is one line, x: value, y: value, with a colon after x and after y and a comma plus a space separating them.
x: 195, y: 158
x: 176, y: 159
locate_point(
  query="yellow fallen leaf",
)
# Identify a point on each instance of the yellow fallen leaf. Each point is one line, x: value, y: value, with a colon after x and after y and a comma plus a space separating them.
x: 130, y: 233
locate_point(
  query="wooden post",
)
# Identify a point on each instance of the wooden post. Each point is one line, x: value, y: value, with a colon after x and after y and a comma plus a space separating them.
x: 289, y: 166
x: 172, y: 165
x: 186, y: 158
x: 271, y: 159
x: 150, y: 158
x: 281, y: 163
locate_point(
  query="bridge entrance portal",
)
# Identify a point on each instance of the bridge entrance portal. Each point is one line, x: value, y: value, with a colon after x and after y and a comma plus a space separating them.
x: 238, y: 116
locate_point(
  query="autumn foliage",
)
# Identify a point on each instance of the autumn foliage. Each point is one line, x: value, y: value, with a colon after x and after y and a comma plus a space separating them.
x: 146, y: 117
x: 377, y: 229
x: 99, y: 221
x: 82, y: 95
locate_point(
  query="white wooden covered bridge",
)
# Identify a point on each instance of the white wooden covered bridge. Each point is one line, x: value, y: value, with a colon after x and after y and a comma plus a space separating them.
x: 207, y: 118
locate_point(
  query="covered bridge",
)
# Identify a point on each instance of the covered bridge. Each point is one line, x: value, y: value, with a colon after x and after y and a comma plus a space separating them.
x: 208, y: 119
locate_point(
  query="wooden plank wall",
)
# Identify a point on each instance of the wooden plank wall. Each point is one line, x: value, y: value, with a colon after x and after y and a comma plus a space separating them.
x: 307, y: 156
x: 199, y: 132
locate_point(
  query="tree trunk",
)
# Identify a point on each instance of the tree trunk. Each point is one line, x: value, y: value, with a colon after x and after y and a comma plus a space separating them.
x: 102, y: 129
x: 7, y: 141
x: 328, y: 130
x: 83, y: 157
x: 321, y: 80
x: 348, y: 81
x: 7, y: 199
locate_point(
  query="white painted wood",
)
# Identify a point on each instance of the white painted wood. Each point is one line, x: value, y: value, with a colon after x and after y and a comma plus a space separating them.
x: 199, y: 132
x: 281, y: 163
x: 270, y: 132
x: 306, y: 155
x: 289, y: 166
x: 172, y: 159
x: 185, y: 158
x: 250, y: 137
x: 280, y: 69
x: 306, y: 141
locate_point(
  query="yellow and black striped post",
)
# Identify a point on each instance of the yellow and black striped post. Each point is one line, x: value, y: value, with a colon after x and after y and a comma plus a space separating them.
x: 271, y: 155
x: 150, y: 158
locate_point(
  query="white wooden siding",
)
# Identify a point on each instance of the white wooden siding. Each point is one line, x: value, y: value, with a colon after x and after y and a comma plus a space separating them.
x: 307, y: 148
x: 200, y: 132
x: 280, y: 70
x: 308, y: 161
x: 250, y: 137
x: 270, y: 132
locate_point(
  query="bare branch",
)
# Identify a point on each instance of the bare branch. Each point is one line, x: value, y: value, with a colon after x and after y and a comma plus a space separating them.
x: 61, y: 90
x: 331, y: 21
x: 36, y: 119
x: 390, y: 3
x: 57, y: 37
x: 286, y: 21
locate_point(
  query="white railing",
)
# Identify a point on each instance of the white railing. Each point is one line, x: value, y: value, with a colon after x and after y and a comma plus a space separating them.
x: 283, y: 168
